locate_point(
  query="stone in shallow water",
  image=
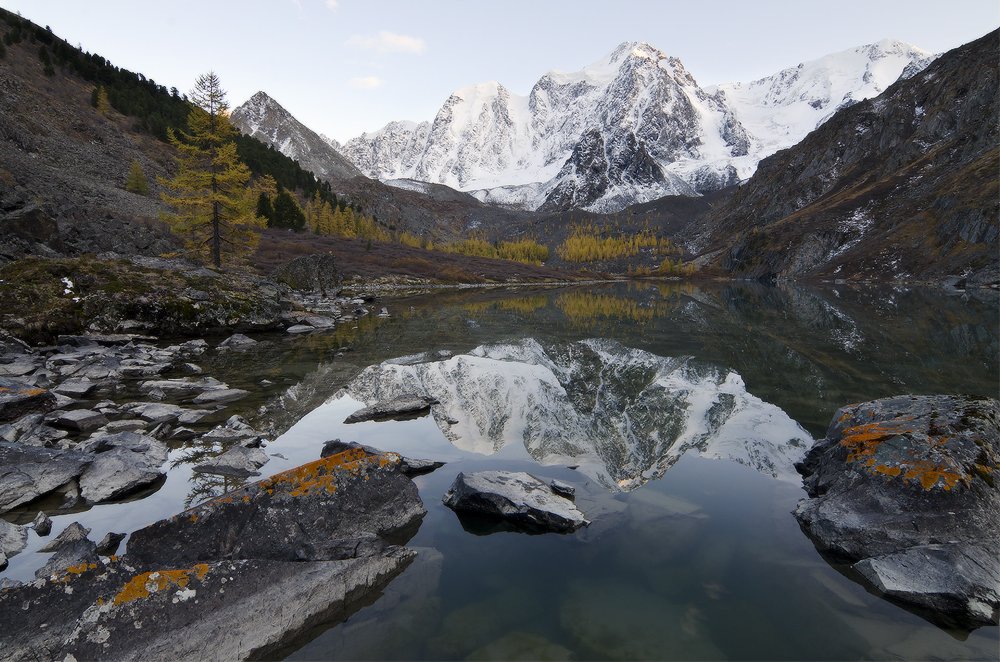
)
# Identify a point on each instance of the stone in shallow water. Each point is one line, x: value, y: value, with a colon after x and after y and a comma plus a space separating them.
x: 18, y: 399
x: 109, y: 543
x: 321, y: 537
x: 907, y: 488
x: 402, y: 406
x: 221, y: 395
x: 13, y: 538
x: 238, y: 462
x: 75, y: 532
x: 42, y: 524
x: 79, y: 387
x: 407, y: 465
x: 79, y: 420
x: 124, y: 462
x: 28, y: 472
x: 515, y: 497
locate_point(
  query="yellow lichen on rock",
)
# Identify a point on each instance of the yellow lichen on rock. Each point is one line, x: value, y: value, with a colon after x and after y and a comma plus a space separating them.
x: 145, y: 584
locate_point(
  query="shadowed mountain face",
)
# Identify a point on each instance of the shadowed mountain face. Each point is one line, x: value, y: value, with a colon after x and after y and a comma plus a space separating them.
x: 903, y: 186
x: 624, y: 415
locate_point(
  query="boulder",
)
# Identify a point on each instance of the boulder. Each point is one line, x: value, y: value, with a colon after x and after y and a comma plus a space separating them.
x: 73, y: 533
x: 237, y: 341
x: 316, y: 273
x: 79, y: 420
x: 517, y: 498
x: 403, y: 406
x: 219, y: 396
x: 124, y: 462
x: 156, y: 412
x: 77, y: 387
x: 266, y: 520
x: 18, y: 399
x: 300, y: 328
x: 906, y: 489
x: 109, y: 543
x: 73, y: 555
x: 183, y: 386
x: 13, y: 538
x: 408, y: 466
x: 238, y: 462
x: 42, y: 524
x: 28, y: 472
x: 241, y: 576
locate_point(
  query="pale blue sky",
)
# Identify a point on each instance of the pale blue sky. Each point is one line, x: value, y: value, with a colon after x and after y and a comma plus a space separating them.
x: 346, y: 66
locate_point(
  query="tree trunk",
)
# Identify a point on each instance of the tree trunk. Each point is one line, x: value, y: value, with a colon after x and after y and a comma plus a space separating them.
x: 216, y: 234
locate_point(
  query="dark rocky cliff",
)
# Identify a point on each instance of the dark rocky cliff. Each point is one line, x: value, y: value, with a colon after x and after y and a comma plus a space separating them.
x: 900, y: 187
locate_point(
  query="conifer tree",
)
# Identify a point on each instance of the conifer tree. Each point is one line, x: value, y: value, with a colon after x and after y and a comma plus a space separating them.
x: 264, y: 209
x: 101, y: 101
x: 287, y: 212
x: 136, y: 181
x: 215, y: 208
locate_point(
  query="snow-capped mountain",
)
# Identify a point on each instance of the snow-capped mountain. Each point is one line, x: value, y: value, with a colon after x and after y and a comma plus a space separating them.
x: 265, y: 119
x: 624, y: 415
x: 629, y: 128
x: 779, y: 110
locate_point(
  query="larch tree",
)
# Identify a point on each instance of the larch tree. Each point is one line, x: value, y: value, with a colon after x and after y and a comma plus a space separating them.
x: 136, y: 181
x: 215, y: 209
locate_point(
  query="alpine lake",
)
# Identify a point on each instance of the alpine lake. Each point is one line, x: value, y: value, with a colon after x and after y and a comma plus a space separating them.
x: 692, y: 552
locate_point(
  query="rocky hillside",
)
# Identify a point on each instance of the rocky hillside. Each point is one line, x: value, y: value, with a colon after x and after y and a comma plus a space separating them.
x: 63, y: 167
x: 263, y: 118
x: 901, y: 187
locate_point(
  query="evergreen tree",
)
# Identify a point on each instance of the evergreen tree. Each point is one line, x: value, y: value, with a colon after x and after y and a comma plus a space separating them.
x: 287, y: 212
x: 100, y: 101
x: 215, y: 209
x: 264, y: 209
x: 136, y: 181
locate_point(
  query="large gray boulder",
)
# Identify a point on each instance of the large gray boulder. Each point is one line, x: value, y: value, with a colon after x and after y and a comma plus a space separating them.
x: 403, y: 406
x: 18, y: 399
x: 906, y: 488
x: 28, y: 472
x: 124, y: 462
x: 514, y: 497
x: 238, y: 462
x: 241, y: 576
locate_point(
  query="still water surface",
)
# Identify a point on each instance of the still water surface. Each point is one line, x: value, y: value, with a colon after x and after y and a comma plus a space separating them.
x: 693, y: 552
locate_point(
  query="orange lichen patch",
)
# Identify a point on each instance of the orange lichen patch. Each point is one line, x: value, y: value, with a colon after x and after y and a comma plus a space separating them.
x: 863, y: 440
x: 22, y: 391
x: 193, y: 518
x: 80, y: 569
x: 888, y: 471
x: 322, y: 475
x: 147, y: 583
x: 929, y: 474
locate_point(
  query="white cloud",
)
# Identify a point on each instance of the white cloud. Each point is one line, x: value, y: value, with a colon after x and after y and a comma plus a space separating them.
x: 366, y: 82
x: 331, y: 4
x: 387, y: 42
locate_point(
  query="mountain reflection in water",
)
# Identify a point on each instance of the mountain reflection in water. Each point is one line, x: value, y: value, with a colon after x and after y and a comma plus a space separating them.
x: 623, y: 415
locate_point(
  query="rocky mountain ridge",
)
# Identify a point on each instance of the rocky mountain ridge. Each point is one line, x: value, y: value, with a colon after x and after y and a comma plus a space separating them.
x: 265, y: 119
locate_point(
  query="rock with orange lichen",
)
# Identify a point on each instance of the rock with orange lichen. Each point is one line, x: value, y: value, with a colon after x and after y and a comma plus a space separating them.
x: 908, y: 490
x: 246, y: 575
x: 18, y: 399
x: 343, y: 506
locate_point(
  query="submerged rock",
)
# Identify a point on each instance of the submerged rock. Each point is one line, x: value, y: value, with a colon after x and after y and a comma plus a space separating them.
x: 515, y: 497
x: 403, y: 406
x: 220, y: 395
x: 238, y: 461
x: 908, y: 488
